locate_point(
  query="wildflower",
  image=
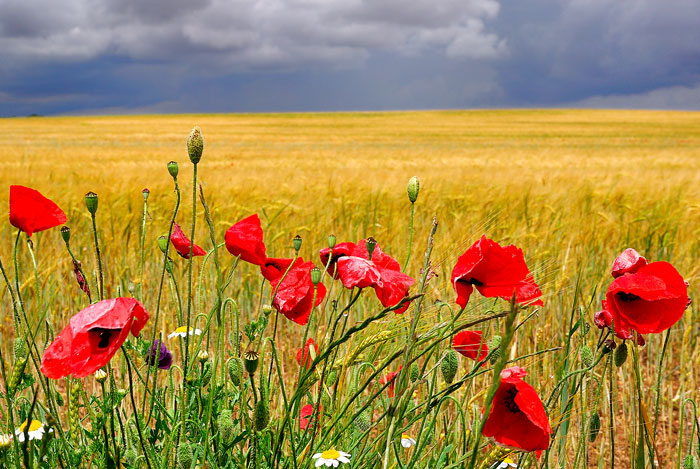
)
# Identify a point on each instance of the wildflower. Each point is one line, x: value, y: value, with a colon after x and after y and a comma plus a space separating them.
x: 295, y: 293
x: 274, y: 268
x: 100, y: 376
x: 495, y: 271
x: 182, y: 243
x: 471, y: 345
x: 339, y: 250
x: 36, y: 430
x: 203, y: 356
x: 647, y: 298
x: 603, y: 319
x: 628, y: 261
x: 32, y: 212
x: 505, y: 464
x: 245, y: 239
x: 182, y: 331
x: 305, y: 416
x: 517, y: 417
x: 92, y: 337
x: 331, y: 457
x: 390, y: 378
x: 158, y: 351
x: 309, y: 352
x: 5, y: 441
x: 407, y: 441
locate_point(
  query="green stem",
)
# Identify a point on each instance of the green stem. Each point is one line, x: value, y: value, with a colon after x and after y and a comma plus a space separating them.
x: 99, y: 258
x: 410, y: 238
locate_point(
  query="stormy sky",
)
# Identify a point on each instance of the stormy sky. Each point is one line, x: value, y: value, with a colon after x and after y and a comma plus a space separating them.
x: 138, y: 56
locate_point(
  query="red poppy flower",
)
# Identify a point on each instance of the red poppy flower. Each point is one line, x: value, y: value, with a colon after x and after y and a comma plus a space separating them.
x: 357, y: 272
x: 517, y: 417
x: 273, y: 269
x: 340, y: 250
x: 649, y: 300
x: 495, y: 271
x: 32, y: 212
x: 245, y: 239
x: 295, y: 293
x: 305, y: 416
x: 628, y: 262
x: 471, y: 345
x: 182, y: 243
x: 390, y: 378
x: 604, y: 319
x: 308, y: 354
x: 392, y: 288
x: 92, y: 337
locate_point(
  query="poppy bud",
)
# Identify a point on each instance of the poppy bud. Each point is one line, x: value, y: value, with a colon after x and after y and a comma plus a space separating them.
x: 234, y: 371
x: 413, y: 188
x: 20, y: 348
x: 184, y: 455
x: 594, y: 427
x: 690, y: 462
x: 362, y: 422
x: 415, y: 372
x: 195, y: 145
x: 251, y: 359
x: 163, y: 243
x: 100, y: 376
x: 173, y: 169
x: 261, y: 416
x: 495, y: 347
x: 91, y: 202
x: 65, y: 234
x: 145, y: 194
x: 621, y: 355
x: 315, y: 275
x: 609, y: 345
x: 267, y: 310
x: 203, y: 356
x: 169, y: 265
x: 130, y: 455
x: 296, y: 242
x: 225, y: 423
x: 586, y: 356
x: 448, y: 366
x: 371, y: 244
x: 331, y: 241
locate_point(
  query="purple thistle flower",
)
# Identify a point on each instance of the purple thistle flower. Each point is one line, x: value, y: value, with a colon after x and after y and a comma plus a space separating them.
x: 160, y: 351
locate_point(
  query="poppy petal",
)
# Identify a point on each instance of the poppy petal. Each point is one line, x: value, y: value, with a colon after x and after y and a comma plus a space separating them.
x: 629, y: 261
x: 182, y: 243
x: 357, y: 272
x: 32, y: 212
x: 245, y: 239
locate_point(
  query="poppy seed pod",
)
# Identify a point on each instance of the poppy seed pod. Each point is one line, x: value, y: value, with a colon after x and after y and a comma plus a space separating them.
x: 261, y: 417
x: 184, y: 455
x: 586, y: 356
x: 195, y: 145
x: 594, y: 427
x: 413, y: 188
x: 65, y: 234
x: 145, y: 194
x: 163, y: 243
x: 315, y: 275
x: 331, y: 241
x: 448, y: 366
x: 621, y: 354
x: 371, y: 244
x: 91, y: 202
x: 296, y: 242
x: 173, y: 169
x: 251, y: 359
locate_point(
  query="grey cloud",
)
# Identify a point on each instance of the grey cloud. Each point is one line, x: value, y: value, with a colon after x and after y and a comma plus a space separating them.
x: 674, y: 97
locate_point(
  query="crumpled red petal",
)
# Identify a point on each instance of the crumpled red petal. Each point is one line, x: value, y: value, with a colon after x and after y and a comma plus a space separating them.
x: 471, y: 345
x: 245, y: 239
x: 182, y: 243
x: 32, y: 212
x: 356, y: 272
x: 340, y: 250
x: 295, y: 293
x: 629, y: 261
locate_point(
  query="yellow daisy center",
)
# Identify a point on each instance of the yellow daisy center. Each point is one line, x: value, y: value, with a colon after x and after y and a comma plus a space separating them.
x: 508, y: 460
x: 405, y: 436
x: 34, y: 426
x: 330, y: 454
x: 181, y: 329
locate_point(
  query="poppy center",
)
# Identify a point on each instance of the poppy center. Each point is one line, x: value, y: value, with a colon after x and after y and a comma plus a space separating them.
x: 624, y: 296
x: 103, y: 336
x: 509, y: 400
x: 475, y: 282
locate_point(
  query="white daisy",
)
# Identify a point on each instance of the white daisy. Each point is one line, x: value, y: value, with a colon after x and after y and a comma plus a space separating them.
x: 182, y: 332
x: 407, y: 441
x: 331, y: 457
x: 36, y: 431
x: 507, y: 463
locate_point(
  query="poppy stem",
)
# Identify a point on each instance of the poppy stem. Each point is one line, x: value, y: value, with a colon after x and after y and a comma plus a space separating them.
x: 410, y: 237
x: 133, y: 404
x: 189, y: 271
x: 99, y: 257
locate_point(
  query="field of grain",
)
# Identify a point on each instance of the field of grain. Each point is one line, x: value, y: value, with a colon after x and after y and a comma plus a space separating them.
x: 572, y: 188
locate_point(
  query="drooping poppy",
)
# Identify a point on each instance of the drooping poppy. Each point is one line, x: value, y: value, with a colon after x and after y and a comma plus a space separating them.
x: 82, y: 283
x: 649, y: 300
x: 391, y: 379
x: 310, y: 351
x: 339, y: 250
x: 273, y: 268
x: 495, y: 271
x: 517, y: 418
x: 393, y: 288
x: 603, y: 319
x: 295, y: 293
x: 471, y: 345
x: 92, y: 337
x: 182, y: 243
x: 629, y: 261
x: 245, y: 239
x: 160, y: 352
x: 32, y: 212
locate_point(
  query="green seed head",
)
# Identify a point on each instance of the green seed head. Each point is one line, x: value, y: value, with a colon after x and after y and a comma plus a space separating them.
x: 331, y: 378
x: 621, y: 354
x: 261, y: 417
x: 91, y: 202
x: 331, y: 241
x: 251, y: 359
x: 690, y: 462
x: 173, y: 169
x: 225, y: 423
x: 234, y: 371
x: 415, y: 372
x: 587, y: 356
x: 448, y: 366
x: 296, y: 242
x: 315, y: 275
x: 20, y: 348
x: 65, y: 234
x: 594, y: 427
x: 495, y: 348
x: 195, y: 145
x: 130, y: 455
x: 363, y: 422
x: 371, y: 244
x: 184, y: 455
x: 413, y: 188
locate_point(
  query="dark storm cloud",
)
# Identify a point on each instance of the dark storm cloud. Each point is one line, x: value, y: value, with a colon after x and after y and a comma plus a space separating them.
x: 228, y: 55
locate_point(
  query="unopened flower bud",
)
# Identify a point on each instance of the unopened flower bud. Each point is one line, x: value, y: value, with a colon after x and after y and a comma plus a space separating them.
x: 91, y: 202
x: 621, y: 354
x: 315, y: 275
x: 261, y: 416
x: 225, y: 423
x: 586, y: 356
x: 100, y: 376
x: 448, y: 366
x: 65, y: 234
x: 690, y: 462
x: 413, y: 188
x: 296, y: 242
x: 163, y: 243
x: 371, y: 244
x: 251, y: 359
x: 145, y: 194
x: 415, y: 372
x: 234, y: 371
x: 20, y: 348
x: 184, y: 455
x: 609, y: 345
x: 331, y: 241
x: 267, y: 310
x: 5, y: 441
x: 362, y: 422
x: 173, y: 169
x: 195, y: 145
x: 495, y: 347
x: 203, y: 356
